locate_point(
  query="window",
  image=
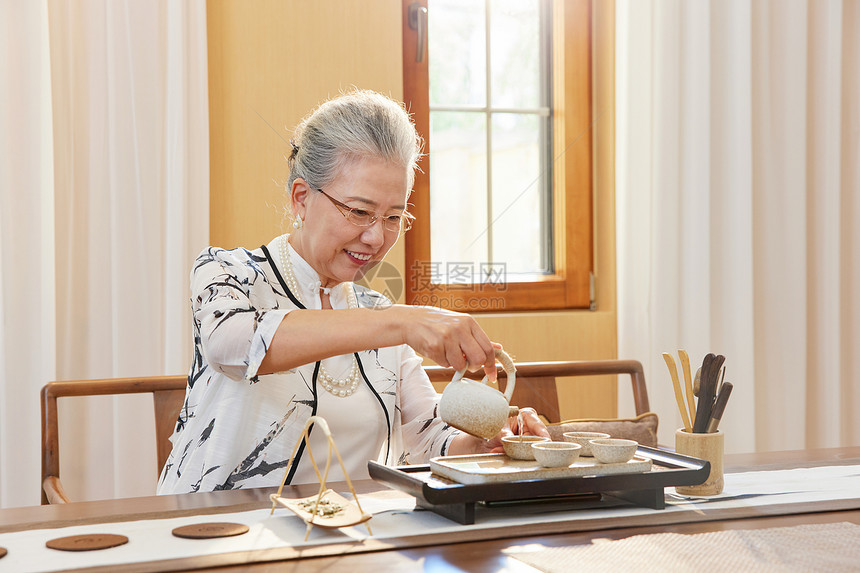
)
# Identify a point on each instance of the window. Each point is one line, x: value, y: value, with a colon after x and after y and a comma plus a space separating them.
x: 502, y: 97
x: 492, y: 139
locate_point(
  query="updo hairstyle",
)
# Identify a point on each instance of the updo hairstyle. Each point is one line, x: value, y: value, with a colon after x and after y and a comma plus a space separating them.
x: 354, y: 126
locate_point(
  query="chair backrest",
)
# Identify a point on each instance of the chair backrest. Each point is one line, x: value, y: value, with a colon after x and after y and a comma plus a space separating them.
x: 536, y: 382
x: 536, y: 387
x: 168, y: 393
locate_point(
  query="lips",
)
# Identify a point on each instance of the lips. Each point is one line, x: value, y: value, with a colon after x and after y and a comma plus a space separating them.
x: 359, y: 257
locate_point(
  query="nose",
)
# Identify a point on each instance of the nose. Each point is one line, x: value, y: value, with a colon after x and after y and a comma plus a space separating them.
x: 374, y: 235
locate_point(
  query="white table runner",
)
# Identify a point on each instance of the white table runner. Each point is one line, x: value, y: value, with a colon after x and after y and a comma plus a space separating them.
x: 396, y: 524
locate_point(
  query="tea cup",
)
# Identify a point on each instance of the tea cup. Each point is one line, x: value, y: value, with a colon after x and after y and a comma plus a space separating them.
x: 520, y: 447
x: 584, y: 439
x: 613, y: 450
x: 556, y: 454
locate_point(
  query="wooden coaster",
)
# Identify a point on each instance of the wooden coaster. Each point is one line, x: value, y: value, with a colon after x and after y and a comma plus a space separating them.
x: 89, y: 542
x: 2, y: 552
x: 210, y: 530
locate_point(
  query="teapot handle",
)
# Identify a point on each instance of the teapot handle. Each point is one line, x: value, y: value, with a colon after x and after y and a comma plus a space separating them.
x: 510, y: 370
x: 507, y: 366
x: 458, y: 375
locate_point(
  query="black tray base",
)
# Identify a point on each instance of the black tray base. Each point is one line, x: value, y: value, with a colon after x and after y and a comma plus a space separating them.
x: 458, y: 502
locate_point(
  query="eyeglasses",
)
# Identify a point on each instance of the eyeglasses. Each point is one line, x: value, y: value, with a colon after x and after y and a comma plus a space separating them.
x: 363, y: 218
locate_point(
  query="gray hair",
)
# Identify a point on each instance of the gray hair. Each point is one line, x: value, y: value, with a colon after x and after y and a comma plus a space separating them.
x: 357, y: 125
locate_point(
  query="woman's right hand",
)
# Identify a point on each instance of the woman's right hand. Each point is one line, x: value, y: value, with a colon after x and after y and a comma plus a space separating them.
x: 446, y: 337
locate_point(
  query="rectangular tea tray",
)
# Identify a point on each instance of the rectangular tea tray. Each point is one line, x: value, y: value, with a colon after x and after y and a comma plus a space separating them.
x: 456, y: 500
x: 492, y: 468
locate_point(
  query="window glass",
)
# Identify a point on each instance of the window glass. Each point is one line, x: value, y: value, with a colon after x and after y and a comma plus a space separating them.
x: 458, y: 171
x: 458, y: 41
x: 515, y: 48
x: 520, y: 207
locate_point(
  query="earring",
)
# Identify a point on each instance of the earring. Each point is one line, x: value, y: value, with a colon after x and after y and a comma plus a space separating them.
x: 298, y: 223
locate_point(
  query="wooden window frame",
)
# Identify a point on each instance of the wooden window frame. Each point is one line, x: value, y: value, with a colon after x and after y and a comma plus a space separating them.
x: 573, y: 235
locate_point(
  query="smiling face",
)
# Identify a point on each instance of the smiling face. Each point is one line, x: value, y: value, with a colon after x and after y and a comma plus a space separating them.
x: 338, y: 250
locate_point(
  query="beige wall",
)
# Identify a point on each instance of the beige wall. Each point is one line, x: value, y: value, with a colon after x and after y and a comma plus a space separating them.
x: 271, y: 62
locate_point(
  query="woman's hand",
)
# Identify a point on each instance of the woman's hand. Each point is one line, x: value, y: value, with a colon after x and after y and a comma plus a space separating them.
x: 448, y: 338
x: 532, y: 426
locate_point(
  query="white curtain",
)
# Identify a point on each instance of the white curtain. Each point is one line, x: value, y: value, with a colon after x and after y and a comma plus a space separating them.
x: 738, y: 205
x: 105, y: 205
x: 27, y: 276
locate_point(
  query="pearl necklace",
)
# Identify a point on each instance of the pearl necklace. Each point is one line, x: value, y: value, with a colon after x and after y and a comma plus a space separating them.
x: 339, y: 387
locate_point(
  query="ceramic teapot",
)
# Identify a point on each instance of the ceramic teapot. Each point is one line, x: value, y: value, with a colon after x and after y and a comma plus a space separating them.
x: 476, y: 407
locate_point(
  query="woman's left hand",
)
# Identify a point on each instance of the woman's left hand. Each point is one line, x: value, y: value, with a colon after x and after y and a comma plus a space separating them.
x: 532, y: 426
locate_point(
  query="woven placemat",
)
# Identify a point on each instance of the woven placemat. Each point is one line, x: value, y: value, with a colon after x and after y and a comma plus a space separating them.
x: 813, y: 547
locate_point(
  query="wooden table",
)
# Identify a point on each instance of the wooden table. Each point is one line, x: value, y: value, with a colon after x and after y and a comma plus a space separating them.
x: 477, y: 556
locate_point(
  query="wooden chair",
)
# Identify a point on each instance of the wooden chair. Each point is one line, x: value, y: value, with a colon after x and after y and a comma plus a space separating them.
x: 536, y: 382
x: 536, y: 387
x: 168, y: 393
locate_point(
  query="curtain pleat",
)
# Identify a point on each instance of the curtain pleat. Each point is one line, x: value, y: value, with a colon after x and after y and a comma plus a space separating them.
x: 27, y: 276
x: 849, y: 332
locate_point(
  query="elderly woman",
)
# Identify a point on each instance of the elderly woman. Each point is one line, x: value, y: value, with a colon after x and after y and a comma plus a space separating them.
x: 282, y: 333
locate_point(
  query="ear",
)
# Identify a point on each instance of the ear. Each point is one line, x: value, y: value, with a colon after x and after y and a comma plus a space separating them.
x: 299, y: 194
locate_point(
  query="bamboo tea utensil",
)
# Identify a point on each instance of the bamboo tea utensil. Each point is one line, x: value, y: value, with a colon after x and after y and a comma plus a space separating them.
x: 697, y: 381
x: 688, y: 382
x: 703, y: 409
x: 673, y: 372
x: 708, y: 391
x: 719, y: 407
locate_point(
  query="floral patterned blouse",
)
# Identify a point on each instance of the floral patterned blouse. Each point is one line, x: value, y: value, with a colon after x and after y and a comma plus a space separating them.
x: 237, y: 429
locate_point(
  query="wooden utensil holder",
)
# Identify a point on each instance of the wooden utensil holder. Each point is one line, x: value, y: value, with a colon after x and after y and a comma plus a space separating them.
x: 705, y: 447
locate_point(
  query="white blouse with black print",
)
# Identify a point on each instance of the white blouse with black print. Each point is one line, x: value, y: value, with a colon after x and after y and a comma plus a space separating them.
x: 237, y: 429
